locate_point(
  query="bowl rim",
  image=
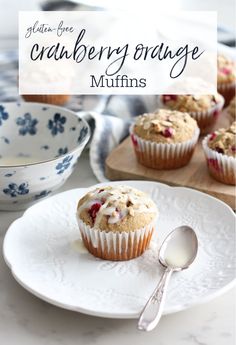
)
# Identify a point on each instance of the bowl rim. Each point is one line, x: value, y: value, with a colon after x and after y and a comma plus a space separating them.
x: 71, y: 112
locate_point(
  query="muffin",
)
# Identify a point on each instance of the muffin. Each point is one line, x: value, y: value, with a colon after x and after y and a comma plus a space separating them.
x: 165, y: 139
x: 49, y: 99
x: 203, y: 108
x: 226, y: 77
x: 231, y: 110
x: 220, y: 152
x: 116, y: 222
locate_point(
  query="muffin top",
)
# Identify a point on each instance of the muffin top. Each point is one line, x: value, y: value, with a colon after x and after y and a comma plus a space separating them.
x: 191, y: 103
x: 224, y: 141
x: 231, y: 109
x: 165, y: 126
x: 117, y: 209
x: 226, y: 69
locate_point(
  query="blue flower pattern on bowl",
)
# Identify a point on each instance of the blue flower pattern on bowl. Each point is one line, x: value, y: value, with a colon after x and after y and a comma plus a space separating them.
x: 64, y: 165
x: 56, y: 125
x: 13, y: 189
x: 5, y: 140
x: 42, y: 194
x: 83, y: 133
x: 3, y: 115
x: 44, y: 147
x: 10, y: 174
x: 27, y: 124
x: 32, y: 135
x: 22, y: 154
x: 62, y: 151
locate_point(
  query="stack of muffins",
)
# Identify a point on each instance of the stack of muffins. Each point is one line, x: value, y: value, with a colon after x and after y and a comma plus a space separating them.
x: 166, y: 139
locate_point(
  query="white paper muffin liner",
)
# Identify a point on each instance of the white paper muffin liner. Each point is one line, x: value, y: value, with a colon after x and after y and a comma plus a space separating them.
x: 226, y: 86
x: 221, y: 167
x: 163, y: 155
x: 116, y: 245
x: 227, y: 90
x: 205, y: 119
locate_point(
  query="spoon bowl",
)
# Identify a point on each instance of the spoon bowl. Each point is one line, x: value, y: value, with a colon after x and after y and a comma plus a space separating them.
x: 179, y: 249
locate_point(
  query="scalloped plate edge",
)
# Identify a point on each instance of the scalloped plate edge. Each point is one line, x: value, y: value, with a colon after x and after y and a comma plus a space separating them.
x: 98, y: 313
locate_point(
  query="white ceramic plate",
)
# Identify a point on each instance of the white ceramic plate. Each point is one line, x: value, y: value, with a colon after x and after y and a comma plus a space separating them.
x: 42, y: 251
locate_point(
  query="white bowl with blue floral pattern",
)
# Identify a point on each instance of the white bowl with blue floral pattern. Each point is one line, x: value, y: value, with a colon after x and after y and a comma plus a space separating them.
x: 39, y: 147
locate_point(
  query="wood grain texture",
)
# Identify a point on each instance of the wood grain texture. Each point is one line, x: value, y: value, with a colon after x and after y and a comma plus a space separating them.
x: 121, y: 164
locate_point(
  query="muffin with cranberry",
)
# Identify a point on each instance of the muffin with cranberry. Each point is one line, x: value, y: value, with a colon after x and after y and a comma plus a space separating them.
x: 165, y: 139
x: 203, y: 108
x: 226, y: 77
x: 220, y: 152
x: 116, y: 222
x: 231, y: 110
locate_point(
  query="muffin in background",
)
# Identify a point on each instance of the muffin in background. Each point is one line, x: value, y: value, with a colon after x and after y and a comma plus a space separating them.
x: 49, y: 99
x: 226, y: 77
x: 231, y: 110
x: 116, y: 222
x: 220, y: 151
x: 205, y: 109
x: 165, y: 139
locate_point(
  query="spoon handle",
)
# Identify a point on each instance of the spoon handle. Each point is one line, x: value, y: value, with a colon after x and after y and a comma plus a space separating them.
x: 152, y: 311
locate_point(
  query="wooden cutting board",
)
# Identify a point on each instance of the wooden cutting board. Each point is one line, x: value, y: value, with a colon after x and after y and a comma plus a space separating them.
x: 121, y: 164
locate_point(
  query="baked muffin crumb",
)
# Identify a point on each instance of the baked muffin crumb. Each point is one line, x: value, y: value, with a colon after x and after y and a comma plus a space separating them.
x: 165, y: 126
x: 191, y: 103
x: 118, y: 208
x: 224, y: 141
x: 226, y: 69
x: 231, y: 109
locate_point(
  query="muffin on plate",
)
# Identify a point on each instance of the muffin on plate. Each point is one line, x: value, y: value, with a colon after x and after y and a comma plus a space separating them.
x: 203, y: 108
x: 226, y: 77
x: 116, y: 222
x: 231, y: 110
x: 49, y: 99
x: 165, y: 139
x: 220, y: 152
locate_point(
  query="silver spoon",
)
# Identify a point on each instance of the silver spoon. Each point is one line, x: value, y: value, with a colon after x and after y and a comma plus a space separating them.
x: 177, y: 253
